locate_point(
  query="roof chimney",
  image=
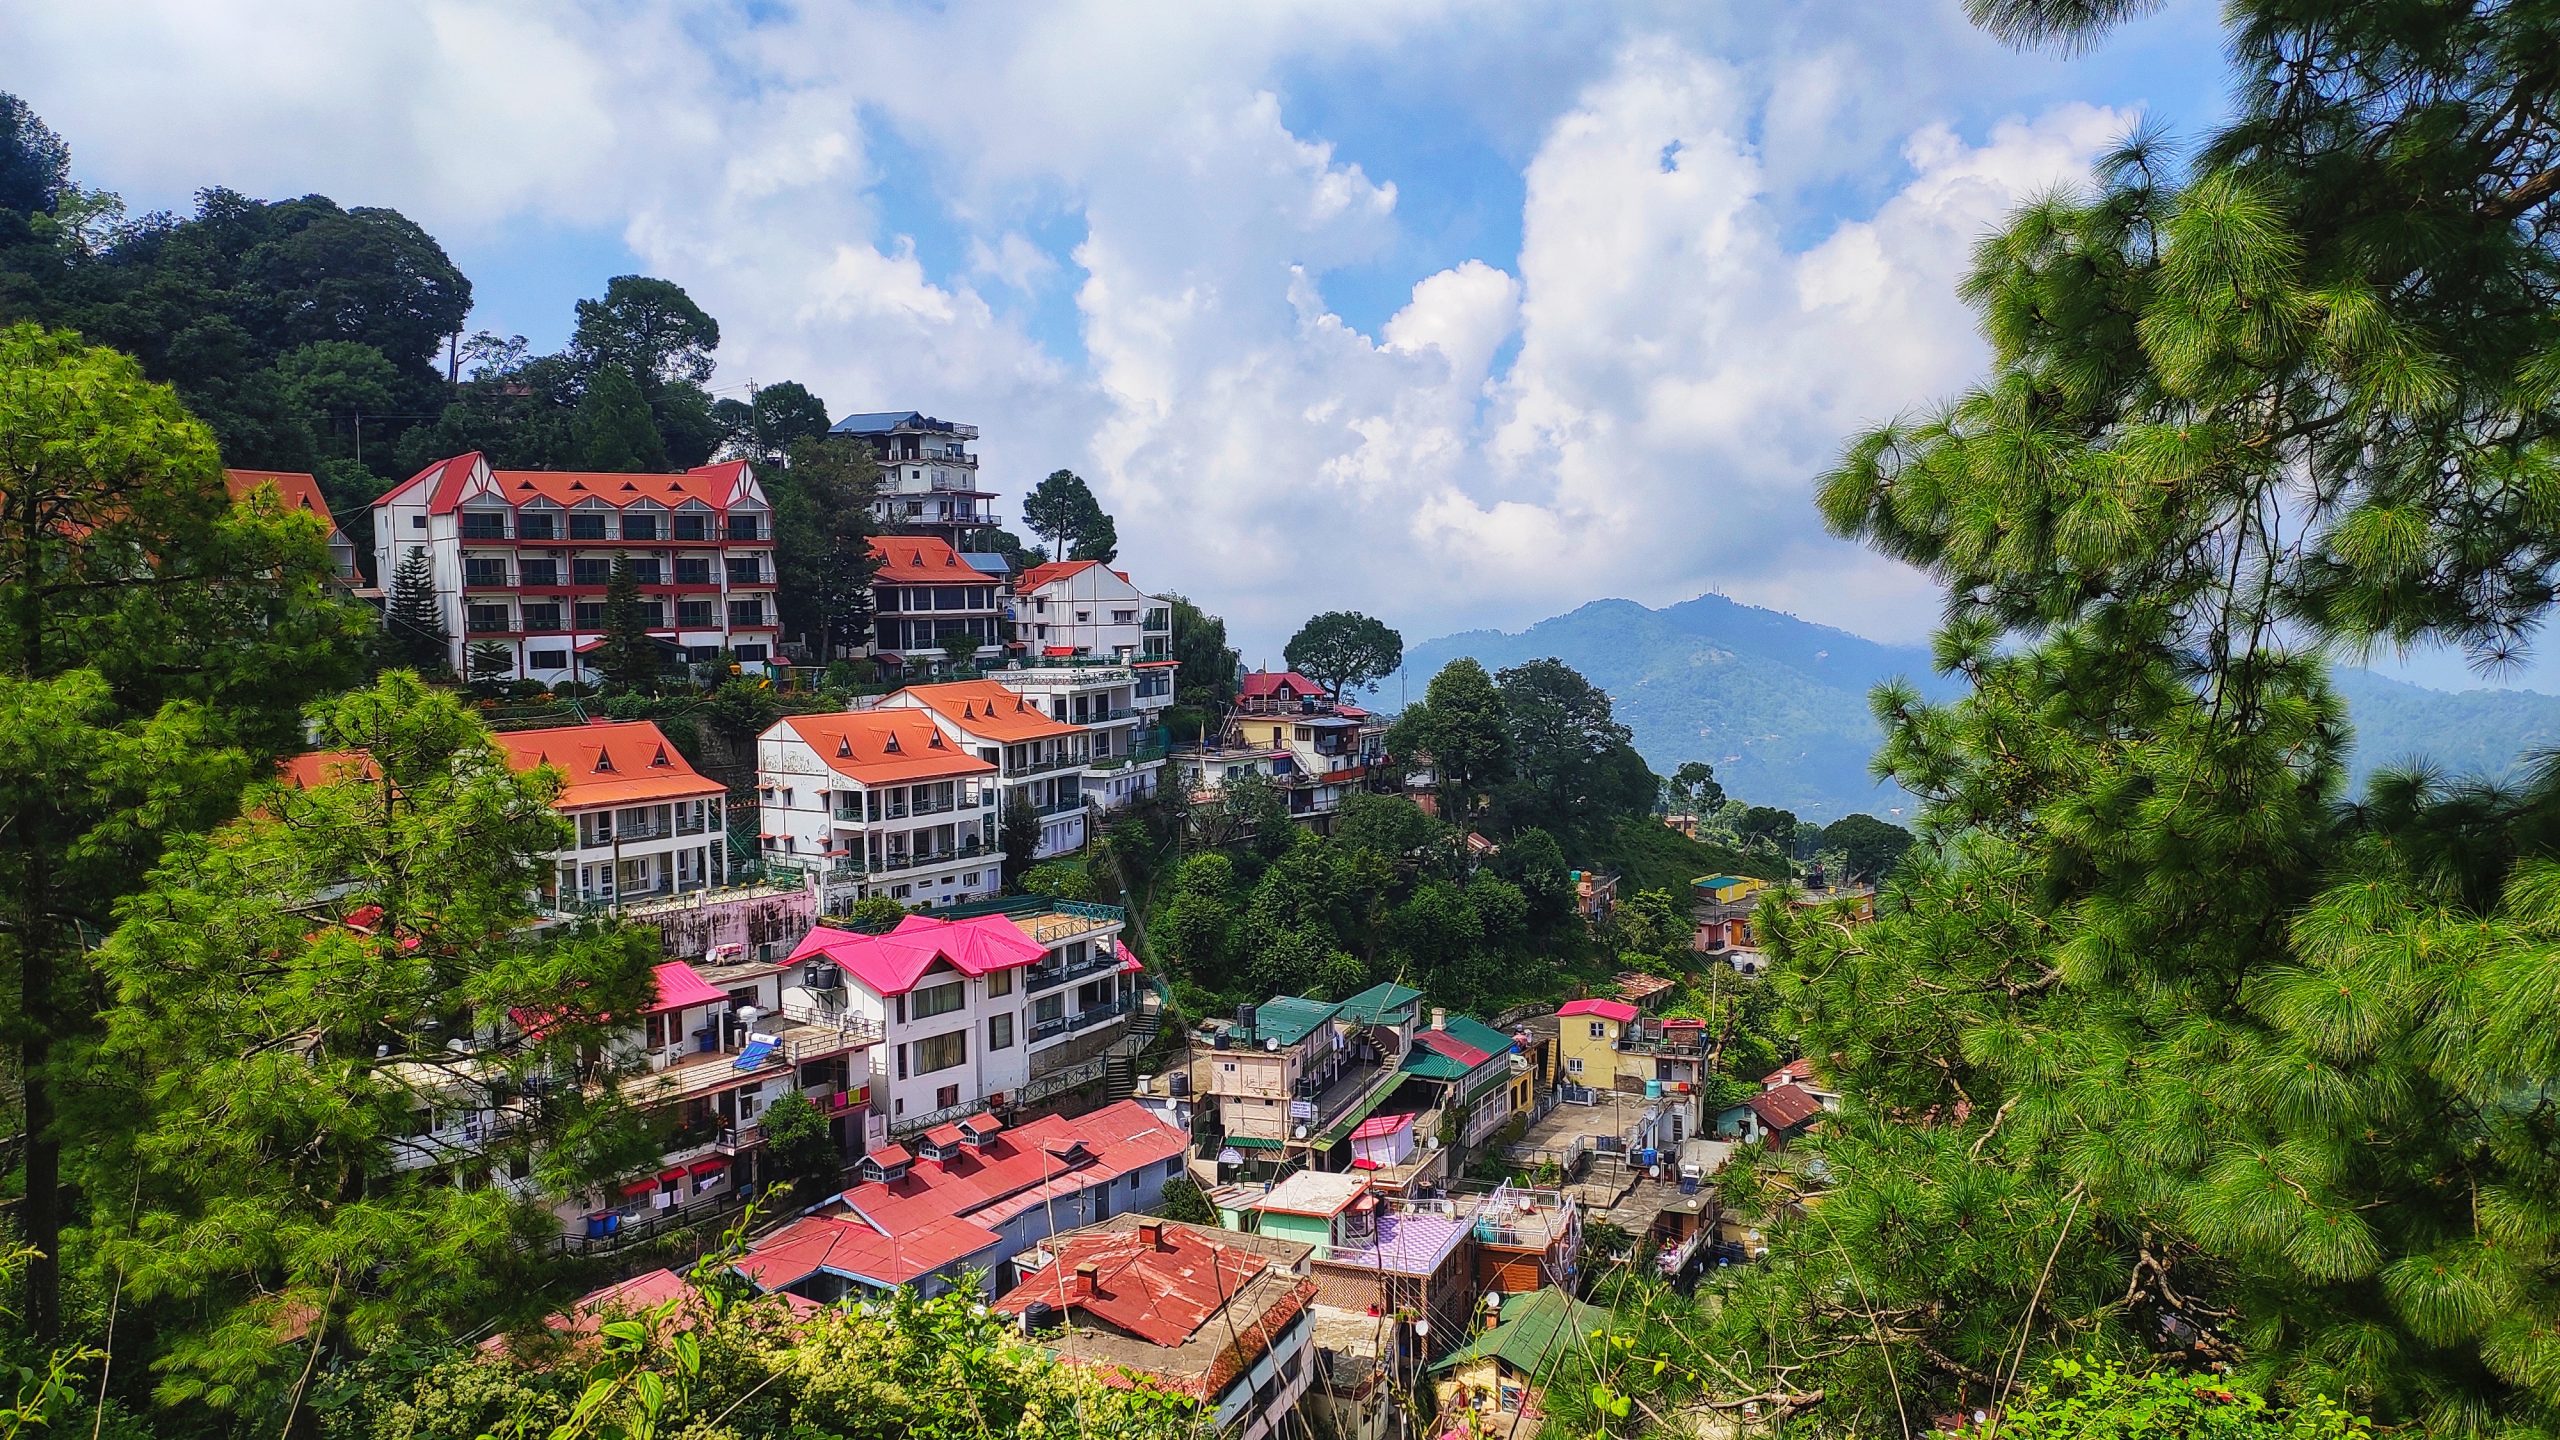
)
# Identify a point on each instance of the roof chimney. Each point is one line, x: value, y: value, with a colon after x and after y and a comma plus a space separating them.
x: 1086, y: 1272
x: 1151, y: 1234
x: 1439, y: 1017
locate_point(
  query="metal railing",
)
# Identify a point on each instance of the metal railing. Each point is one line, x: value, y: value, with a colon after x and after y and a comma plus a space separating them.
x: 1048, y: 974
x: 1084, y: 1019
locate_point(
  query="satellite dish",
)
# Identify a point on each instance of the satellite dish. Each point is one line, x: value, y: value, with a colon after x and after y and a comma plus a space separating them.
x: 748, y: 1014
x: 1422, y: 1328
x: 1271, y: 1044
x: 1302, y: 1132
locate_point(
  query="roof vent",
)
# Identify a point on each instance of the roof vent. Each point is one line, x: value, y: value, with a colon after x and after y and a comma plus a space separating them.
x: 844, y: 748
x: 524, y: 484
x: 661, y: 758
x: 577, y: 484
x: 604, y: 762
x: 891, y: 747
x: 934, y: 741
x: 627, y: 485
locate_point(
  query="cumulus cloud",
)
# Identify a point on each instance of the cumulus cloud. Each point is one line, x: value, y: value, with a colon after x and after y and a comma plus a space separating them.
x: 1738, y: 241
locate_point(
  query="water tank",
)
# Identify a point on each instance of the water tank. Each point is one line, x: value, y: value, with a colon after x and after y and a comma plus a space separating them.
x: 1244, y: 1018
x: 1178, y: 1083
x: 1037, y: 1316
x: 1653, y: 1089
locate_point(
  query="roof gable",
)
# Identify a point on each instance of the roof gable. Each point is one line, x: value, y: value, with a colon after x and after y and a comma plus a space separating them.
x: 882, y: 747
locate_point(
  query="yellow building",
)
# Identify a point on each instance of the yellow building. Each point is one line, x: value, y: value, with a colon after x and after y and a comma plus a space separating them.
x: 1587, y: 1035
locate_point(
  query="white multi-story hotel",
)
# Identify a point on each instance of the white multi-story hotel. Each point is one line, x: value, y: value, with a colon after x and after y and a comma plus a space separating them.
x: 928, y: 478
x: 521, y: 559
x: 1083, y: 609
x: 878, y: 802
x: 648, y: 825
x: 1040, y: 762
x: 974, y: 1014
x: 1119, y: 705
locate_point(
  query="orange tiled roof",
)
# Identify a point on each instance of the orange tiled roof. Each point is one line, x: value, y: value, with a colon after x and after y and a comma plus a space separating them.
x: 984, y: 707
x: 885, y: 747
x: 608, y: 762
x: 923, y: 560
x: 444, y: 481
x: 325, y: 767
x: 1039, y: 575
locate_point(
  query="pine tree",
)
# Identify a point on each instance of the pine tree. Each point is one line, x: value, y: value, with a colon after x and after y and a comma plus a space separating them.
x: 1018, y: 835
x: 613, y: 429
x: 628, y: 655
x: 2155, y: 1045
x: 413, y: 629
x: 266, y: 1049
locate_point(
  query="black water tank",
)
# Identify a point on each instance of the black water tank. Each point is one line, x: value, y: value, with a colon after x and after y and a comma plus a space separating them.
x: 1244, y: 1018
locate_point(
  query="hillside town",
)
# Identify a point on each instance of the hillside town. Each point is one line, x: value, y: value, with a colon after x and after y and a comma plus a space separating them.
x: 1686, y: 723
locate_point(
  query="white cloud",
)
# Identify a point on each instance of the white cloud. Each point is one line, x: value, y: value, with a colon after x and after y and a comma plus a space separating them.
x: 1739, y: 237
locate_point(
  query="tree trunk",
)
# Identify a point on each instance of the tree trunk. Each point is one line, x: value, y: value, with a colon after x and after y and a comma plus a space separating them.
x: 40, y: 1214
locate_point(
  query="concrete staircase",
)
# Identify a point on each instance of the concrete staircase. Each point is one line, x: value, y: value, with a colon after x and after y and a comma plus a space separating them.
x: 1120, y: 1065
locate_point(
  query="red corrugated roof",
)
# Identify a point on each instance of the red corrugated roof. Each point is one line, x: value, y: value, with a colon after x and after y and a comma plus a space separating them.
x: 1262, y: 684
x: 984, y: 709
x: 1161, y: 1293
x: 848, y: 1247
x: 891, y: 964
x: 445, y: 480
x: 1118, y: 1139
x: 326, y: 767
x: 1794, y: 1071
x: 297, y: 489
x: 1377, y: 1125
x: 679, y: 986
x: 1784, y: 1108
x: 1618, y: 1010
x: 1443, y: 1043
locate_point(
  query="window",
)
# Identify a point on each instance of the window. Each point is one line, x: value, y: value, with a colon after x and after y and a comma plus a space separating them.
x: 484, y: 525
x: 542, y: 616
x: 941, y: 999
x: 587, y: 571
x: 755, y: 655
x: 537, y: 525
x: 1048, y: 1007
x: 693, y: 525
x: 590, y: 614
x: 586, y: 525
x: 417, y: 522
x: 547, y: 660
x: 1124, y: 617
x: 694, y: 615
x: 645, y: 570
x: 694, y: 570
x: 746, y: 570
x: 479, y: 571
x: 746, y: 612
x: 488, y: 619
x: 642, y: 525
x: 701, y: 654
x: 1573, y: 1066
x: 941, y: 1052
x: 1000, y: 1032
x: 653, y: 614
x: 746, y: 527
x: 1599, y: 1030
x: 539, y: 570
x: 946, y: 1097
x: 999, y: 982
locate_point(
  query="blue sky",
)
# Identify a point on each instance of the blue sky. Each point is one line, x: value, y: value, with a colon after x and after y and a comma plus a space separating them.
x: 1458, y: 312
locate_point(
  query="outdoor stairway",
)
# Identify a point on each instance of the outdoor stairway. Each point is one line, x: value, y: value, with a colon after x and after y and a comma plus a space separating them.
x: 1120, y: 1066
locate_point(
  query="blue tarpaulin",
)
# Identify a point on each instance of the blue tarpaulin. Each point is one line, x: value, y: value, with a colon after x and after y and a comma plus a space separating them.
x: 756, y: 1053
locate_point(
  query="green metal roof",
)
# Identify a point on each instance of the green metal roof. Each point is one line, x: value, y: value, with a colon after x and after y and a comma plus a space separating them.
x: 1528, y: 1338
x: 1467, y: 1030
x: 1375, y: 1003
x: 1288, y: 1019
x: 1253, y: 1142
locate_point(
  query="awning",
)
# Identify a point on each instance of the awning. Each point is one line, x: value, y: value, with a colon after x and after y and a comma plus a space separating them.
x: 672, y: 1172
x: 711, y: 1166
x: 641, y: 1187
x: 1255, y: 1142
x: 1057, y: 652
x: 679, y: 986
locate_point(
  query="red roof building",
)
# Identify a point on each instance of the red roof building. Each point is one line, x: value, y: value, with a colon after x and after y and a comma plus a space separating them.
x: 1218, y: 1315
x: 1618, y: 1010
x: 971, y: 1195
x: 519, y: 559
x: 298, y: 490
x: 930, y: 602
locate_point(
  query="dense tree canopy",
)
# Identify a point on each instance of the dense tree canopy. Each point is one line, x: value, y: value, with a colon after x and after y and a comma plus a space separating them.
x: 2261, y: 1079
x: 1344, y: 651
x: 1062, y: 510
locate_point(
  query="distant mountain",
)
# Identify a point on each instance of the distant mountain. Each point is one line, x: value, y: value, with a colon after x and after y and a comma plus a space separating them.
x: 1778, y: 705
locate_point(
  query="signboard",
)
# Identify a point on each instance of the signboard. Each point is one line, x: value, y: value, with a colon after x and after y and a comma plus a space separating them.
x: 1302, y: 1109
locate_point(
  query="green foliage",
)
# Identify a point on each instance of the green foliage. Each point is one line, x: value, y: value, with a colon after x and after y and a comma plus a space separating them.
x: 1573, y: 771
x: 647, y: 329
x: 628, y: 657
x: 1063, y: 511
x: 1344, y: 651
x: 35, y: 166
x: 1461, y: 727
x: 1868, y: 847
x: 2103, y: 1400
x: 244, y: 1113
x: 1693, y: 786
x: 1018, y: 836
x: 490, y: 661
x: 822, y: 522
x: 613, y: 429
x: 877, y: 912
x: 1205, y: 678
x: 718, y: 1367
x: 741, y: 708
x: 769, y: 426
x: 802, y: 1148
x: 2253, y: 1077
x: 1059, y: 879
x: 1766, y: 827
x: 413, y: 630
x: 1184, y: 1200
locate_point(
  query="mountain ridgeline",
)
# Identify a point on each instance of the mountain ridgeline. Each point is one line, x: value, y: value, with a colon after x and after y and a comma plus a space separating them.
x: 1779, y: 705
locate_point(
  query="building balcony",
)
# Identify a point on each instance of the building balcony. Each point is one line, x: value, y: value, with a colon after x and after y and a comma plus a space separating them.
x: 1049, y: 974
x: 1084, y: 1019
x: 1033, y: 769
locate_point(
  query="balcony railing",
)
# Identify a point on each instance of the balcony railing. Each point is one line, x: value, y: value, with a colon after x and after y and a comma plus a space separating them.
x: 1059, y: 807
x: 911, y: 859
x: 1084, y: 1019
x: 1049, y: 973
x: 1030, y: 768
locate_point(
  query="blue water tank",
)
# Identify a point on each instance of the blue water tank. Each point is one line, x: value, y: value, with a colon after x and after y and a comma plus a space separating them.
x: 1653, y: 1089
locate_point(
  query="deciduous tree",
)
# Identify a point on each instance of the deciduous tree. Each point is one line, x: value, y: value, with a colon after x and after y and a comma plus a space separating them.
x: 1345, y: 651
